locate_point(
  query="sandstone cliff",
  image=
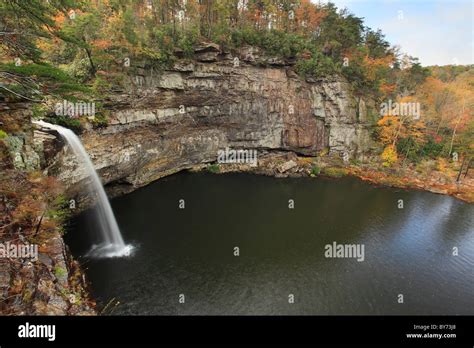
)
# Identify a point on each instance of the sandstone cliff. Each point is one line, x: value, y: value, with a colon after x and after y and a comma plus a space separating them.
x: 163, y: 122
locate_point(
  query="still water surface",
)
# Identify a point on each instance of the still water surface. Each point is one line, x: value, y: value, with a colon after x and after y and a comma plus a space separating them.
x: 190, y: 251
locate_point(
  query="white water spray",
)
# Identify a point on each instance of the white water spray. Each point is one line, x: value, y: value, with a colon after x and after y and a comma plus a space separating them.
x: 113, y: 244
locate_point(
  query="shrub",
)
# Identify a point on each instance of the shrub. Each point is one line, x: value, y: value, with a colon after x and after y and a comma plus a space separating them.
x: 39, y: 111
x: 315, y: 170
x: 79, y: 68
x: 414, y: 151
x: 100, y: 121
x: 187, y: 41
x: 60, y: 211
x: 432, y: 148
x: 72, y: 123
x: 442, y: 165
x: 317, y: 66
x: 355, y: 162
x: 101, y: 86
x: 3, y: 134
x: 213, y: 168
x: 60, y: 272
x: 389, y: 155
x: 426, y: 167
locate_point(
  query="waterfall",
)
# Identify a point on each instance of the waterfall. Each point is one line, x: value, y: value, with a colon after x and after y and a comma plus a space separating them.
x: 112, y: 242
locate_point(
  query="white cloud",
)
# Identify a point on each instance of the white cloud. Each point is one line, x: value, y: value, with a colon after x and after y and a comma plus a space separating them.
x: 437, y: 38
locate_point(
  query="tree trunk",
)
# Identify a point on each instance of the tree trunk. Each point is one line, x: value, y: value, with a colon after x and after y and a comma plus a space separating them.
x: 455, y: 128
x: 460, y: 169
x: 406, y: 155
x: 89, y: 56
x: 209, y: 18
x: 452, y: 140
x: 468, y: 166
x: 439, y: 126
x: 398, y: 132
x: 39, y: 224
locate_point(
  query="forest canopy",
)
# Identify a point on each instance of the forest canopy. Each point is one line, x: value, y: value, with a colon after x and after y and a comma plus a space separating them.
x: 84, y: 37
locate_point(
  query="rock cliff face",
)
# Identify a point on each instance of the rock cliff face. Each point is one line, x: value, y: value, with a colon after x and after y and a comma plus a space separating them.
x: 19, y: 150
x: 164, y: 122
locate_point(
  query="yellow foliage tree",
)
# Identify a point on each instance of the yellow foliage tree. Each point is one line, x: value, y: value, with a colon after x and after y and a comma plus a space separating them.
x: 389, y: 155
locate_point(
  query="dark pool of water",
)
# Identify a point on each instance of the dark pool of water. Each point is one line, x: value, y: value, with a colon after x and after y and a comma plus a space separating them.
x: 190, y: 251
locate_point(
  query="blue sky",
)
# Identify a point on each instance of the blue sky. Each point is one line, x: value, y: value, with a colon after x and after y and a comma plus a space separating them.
x: 438, y: 32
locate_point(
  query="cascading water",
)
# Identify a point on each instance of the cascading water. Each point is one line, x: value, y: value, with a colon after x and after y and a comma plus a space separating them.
x: 113, y: 244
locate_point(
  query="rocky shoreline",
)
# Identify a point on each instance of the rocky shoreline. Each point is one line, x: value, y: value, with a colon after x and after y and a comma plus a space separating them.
x: 289, y: 164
